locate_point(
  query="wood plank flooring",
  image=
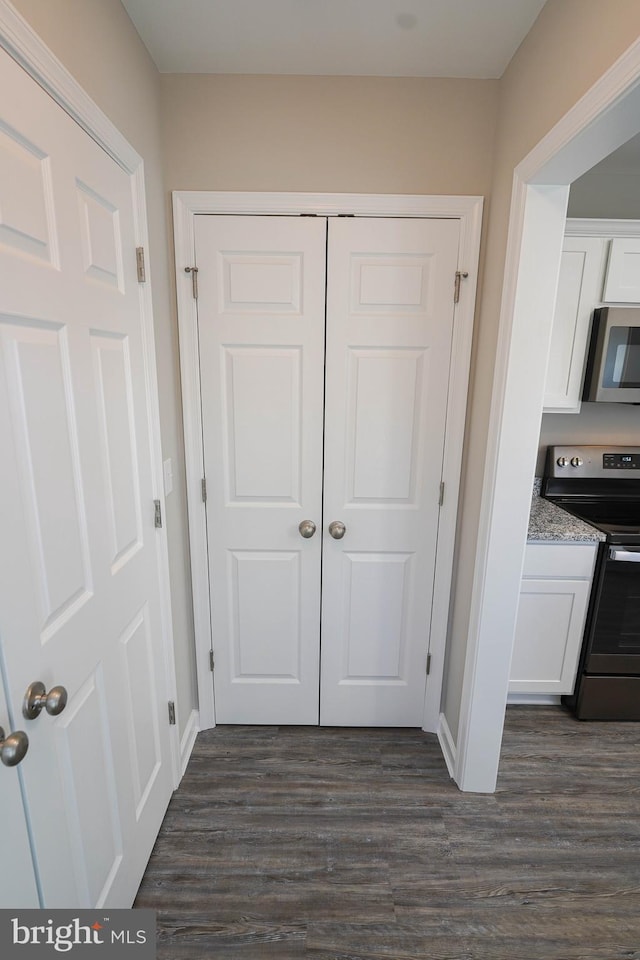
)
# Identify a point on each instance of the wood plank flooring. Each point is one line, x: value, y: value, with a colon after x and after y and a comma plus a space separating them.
x: 336, y: 844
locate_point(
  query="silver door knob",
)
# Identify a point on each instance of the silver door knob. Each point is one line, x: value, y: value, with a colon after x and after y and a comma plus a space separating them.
x: 337, y: 529
x: 36, y: 697
x: 307, y: 528
x: 13, y: 748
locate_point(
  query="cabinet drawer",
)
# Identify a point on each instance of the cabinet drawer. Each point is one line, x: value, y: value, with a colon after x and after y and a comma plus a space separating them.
x: 573, y: 560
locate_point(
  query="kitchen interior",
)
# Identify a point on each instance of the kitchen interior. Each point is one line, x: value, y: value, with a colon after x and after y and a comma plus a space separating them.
x: 578, y: 630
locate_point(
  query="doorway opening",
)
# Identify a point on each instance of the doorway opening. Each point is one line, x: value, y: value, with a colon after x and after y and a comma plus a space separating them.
x: 605, y: 118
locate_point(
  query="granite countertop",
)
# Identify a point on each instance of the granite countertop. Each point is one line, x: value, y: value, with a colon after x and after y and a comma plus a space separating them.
x: 550, y: 523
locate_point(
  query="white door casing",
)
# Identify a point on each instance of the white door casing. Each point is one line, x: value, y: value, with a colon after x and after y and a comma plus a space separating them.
x: 387, y: 378
x: 80, y: 560
x: 261, y: 323
x: 604, y: 118
x: 390, y: 313
x: 467, y: 211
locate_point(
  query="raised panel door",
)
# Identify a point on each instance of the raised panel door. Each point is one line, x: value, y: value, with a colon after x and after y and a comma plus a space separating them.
x: 18, y: 886
x: 389, y: 330
x: 622, y: 282
x: 263, y: 367
x: 261, y: 335
x: 549, y: 628
x: 79, y: 590
x: 579, y: 290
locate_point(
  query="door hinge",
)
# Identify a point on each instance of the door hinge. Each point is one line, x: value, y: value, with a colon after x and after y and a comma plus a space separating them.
x: 212, y: 662
x: 142, y: 276
x: 172, y: 713
x: 157, y: 513
x: 194, y: 280
x: 441, y: 497
x: 428, y: 664
x: 460, y: 275
x: 204, y: 489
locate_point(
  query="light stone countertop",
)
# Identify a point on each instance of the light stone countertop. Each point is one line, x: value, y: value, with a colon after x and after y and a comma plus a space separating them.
x: 549, y: 523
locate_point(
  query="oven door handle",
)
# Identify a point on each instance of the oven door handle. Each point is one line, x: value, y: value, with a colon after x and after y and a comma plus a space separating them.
x: 630, y: 556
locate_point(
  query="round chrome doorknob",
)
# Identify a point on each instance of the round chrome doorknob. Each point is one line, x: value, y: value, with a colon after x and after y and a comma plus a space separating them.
x: 13, y: 748
x: 307, y: 528
x: 36, y: 697
x: 337, y: 529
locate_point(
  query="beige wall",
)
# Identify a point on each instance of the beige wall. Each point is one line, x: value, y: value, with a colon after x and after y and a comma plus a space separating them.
x: 329, y: 134
x: 337, y: 135
x: 570, y: 46
x: 97, y: 43
x: 392, y: 135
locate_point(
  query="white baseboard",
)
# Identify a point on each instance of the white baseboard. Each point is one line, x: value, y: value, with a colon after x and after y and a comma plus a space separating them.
x: 533, y: 699
x: 188, y: 740
x: 447, y: 745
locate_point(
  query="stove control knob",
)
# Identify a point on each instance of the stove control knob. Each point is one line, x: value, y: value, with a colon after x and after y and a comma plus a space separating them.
x: 576, y: 461
x: 562, y: 461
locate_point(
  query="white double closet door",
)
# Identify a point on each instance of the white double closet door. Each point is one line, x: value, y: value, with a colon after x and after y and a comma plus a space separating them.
x: 324, y: 356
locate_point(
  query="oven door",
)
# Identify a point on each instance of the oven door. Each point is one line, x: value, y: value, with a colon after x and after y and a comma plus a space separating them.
x: 613, y: 645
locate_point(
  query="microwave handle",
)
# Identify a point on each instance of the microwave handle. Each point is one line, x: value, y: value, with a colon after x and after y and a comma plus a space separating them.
x: 630, y: 556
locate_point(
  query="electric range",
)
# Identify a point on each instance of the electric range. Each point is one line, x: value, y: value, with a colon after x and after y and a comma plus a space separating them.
x: 601, y: 485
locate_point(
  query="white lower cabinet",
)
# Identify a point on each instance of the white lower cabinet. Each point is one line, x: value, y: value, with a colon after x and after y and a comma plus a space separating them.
x: 554, y: 597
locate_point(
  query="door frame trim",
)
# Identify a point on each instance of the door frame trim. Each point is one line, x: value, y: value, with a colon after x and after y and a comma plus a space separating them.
x: 604, y: 118
x: 24, y: 46
x: 468, y: 210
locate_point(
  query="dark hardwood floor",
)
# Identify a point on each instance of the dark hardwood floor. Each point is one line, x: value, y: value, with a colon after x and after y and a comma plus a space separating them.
x: 337, y: 844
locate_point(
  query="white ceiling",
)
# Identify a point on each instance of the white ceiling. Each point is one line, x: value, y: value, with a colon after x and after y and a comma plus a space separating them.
x: 387, y: 38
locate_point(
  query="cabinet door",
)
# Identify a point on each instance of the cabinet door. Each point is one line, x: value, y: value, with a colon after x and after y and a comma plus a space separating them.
x: 579, y: 290
x: 622, y: 284
x: 549, y: 631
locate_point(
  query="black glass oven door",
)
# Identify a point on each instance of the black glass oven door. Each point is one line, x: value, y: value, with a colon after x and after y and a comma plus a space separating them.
x: 614, y: 633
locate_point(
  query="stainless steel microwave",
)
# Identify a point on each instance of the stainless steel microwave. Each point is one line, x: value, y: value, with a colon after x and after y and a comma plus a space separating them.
x: 613, y: 363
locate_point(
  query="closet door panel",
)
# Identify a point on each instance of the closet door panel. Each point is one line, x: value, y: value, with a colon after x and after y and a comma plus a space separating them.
x: 389, y: 330
x: 261, y: 334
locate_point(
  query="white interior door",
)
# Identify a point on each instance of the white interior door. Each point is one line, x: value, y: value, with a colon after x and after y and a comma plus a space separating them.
x: 261, y: 315
x: 389, y: 330
x: 261, y: 328
x: 79, y: 594
x: 17, y: 877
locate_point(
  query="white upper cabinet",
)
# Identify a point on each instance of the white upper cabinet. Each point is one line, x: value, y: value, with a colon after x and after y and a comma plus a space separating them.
x: 600, y: 264
x: 579, y: 289
x: 622, y: 283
